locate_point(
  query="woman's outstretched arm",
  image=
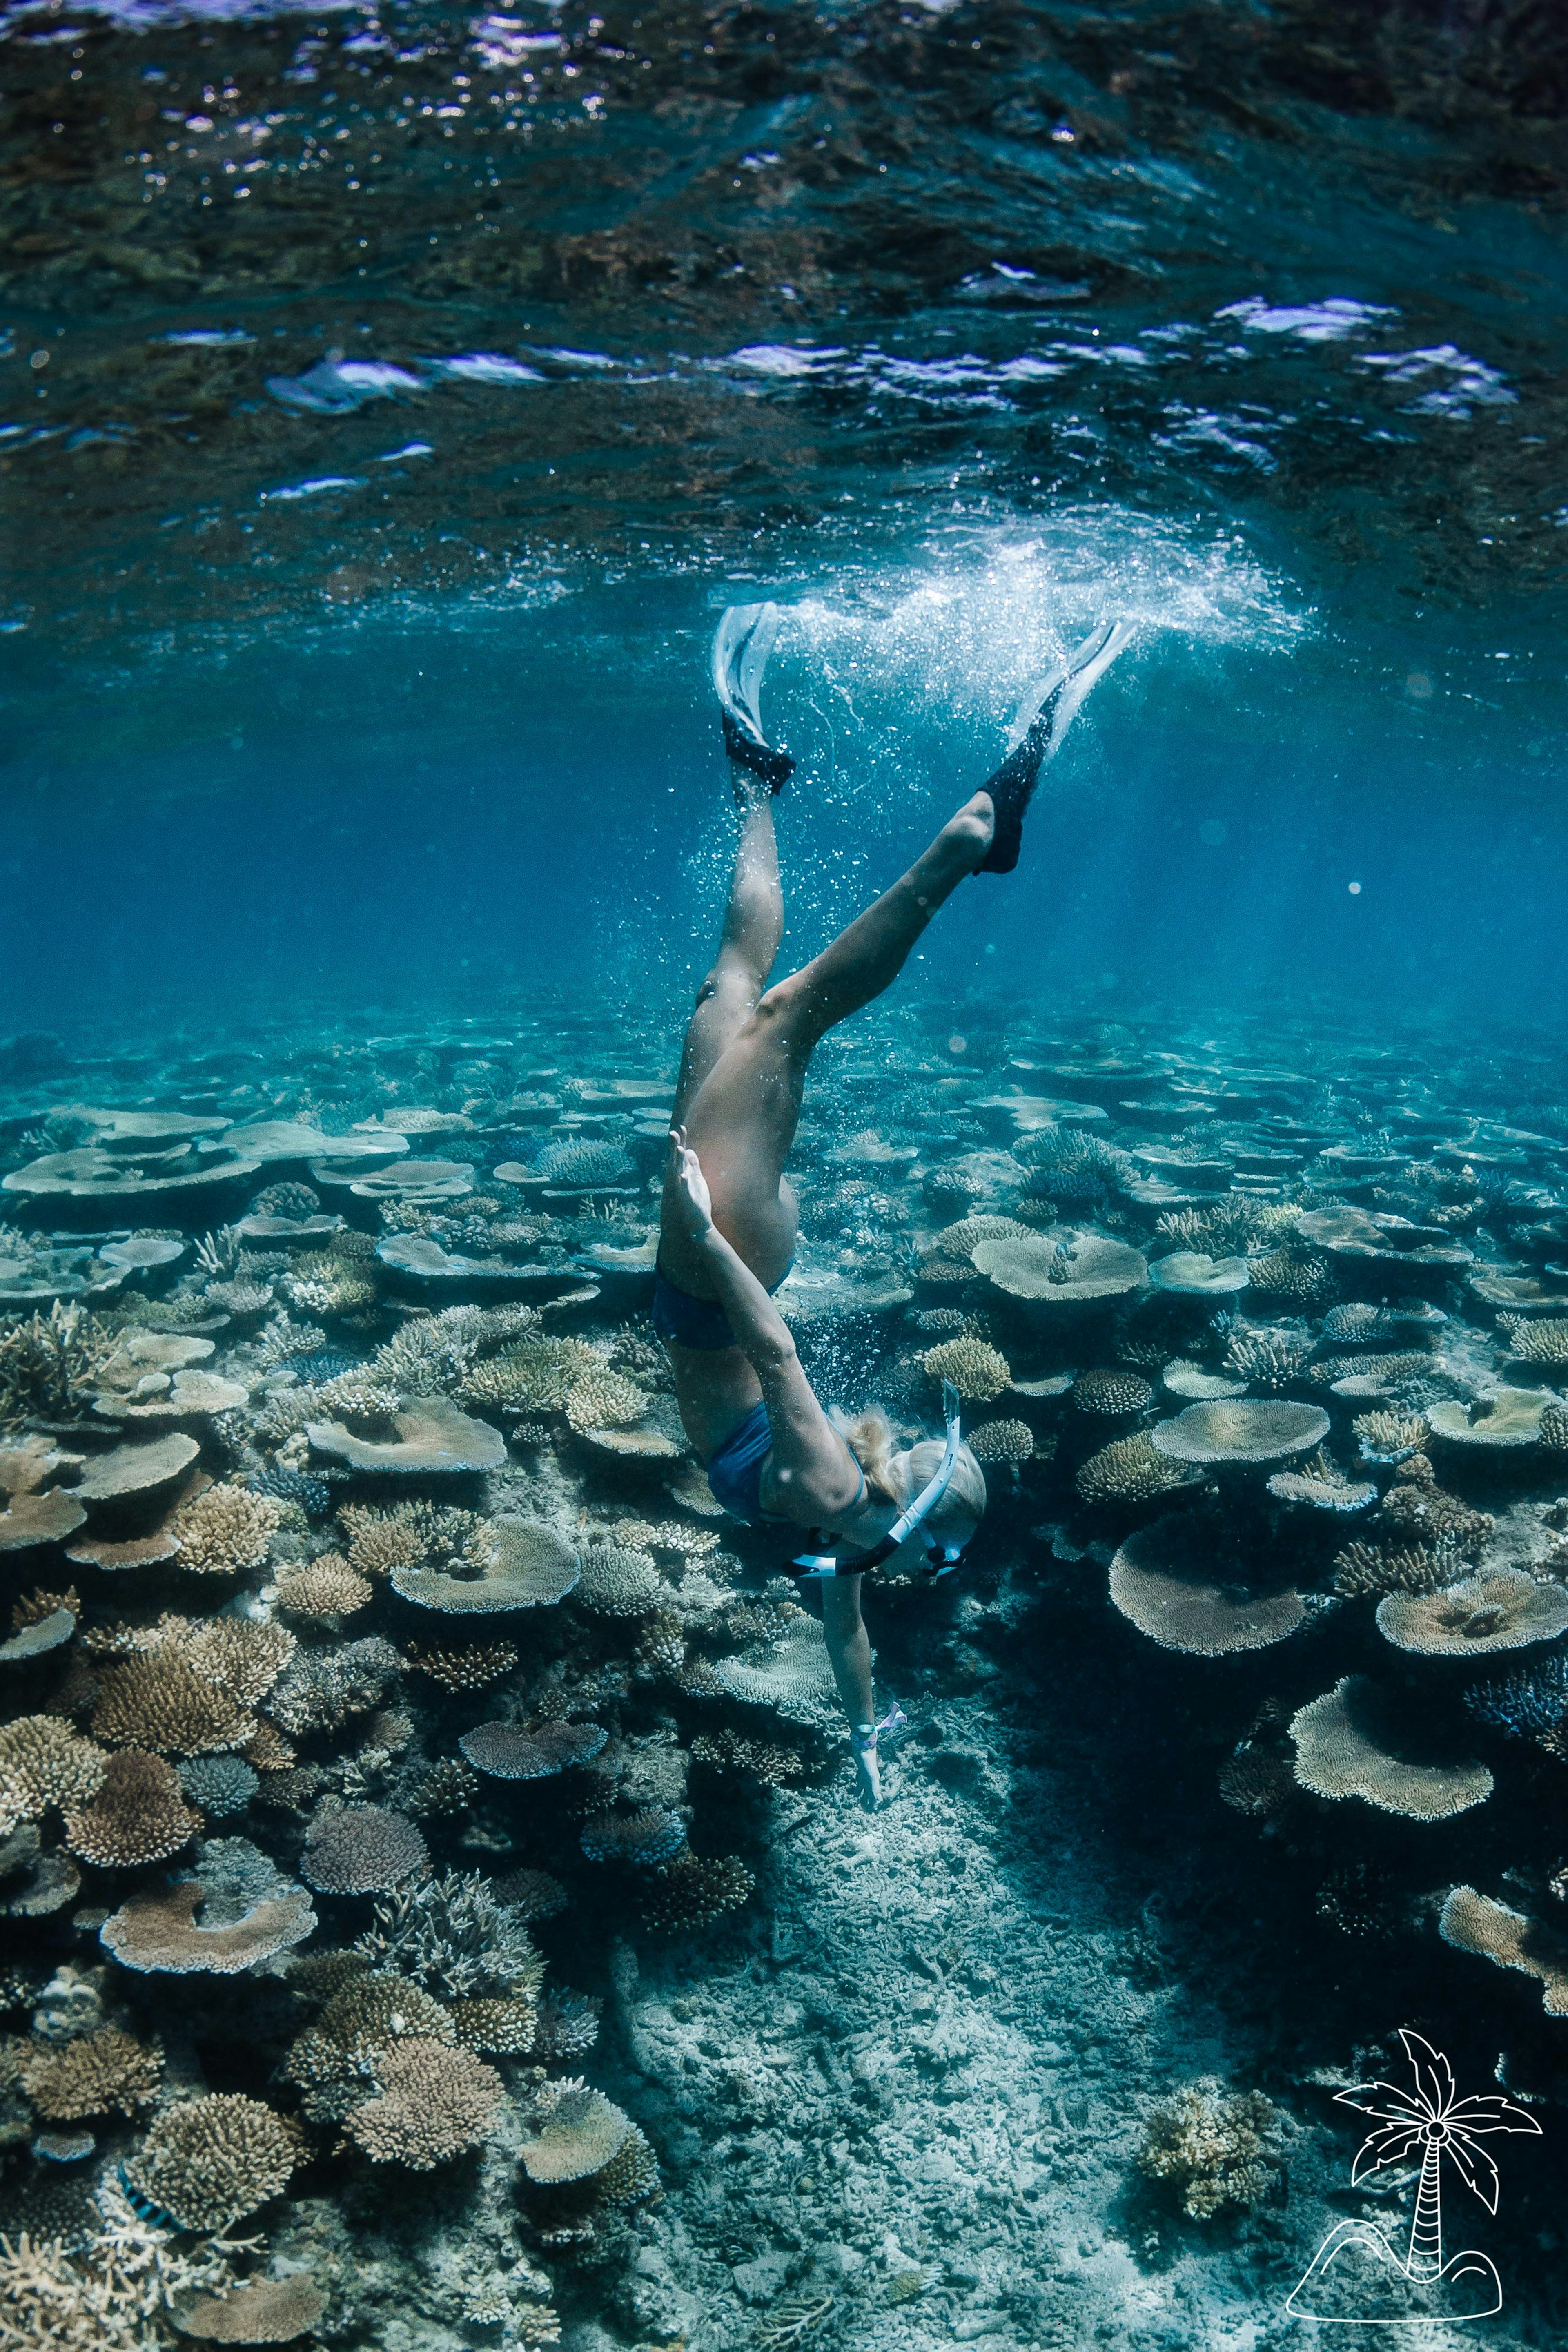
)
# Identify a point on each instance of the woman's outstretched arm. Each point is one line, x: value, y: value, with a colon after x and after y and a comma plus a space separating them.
x: 813, y: 1474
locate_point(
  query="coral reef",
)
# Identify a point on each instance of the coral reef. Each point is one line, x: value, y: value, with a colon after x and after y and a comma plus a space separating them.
x: 1213, y: 2145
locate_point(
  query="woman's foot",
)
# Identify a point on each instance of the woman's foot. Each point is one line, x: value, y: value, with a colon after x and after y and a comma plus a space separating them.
x: 863, y: 1739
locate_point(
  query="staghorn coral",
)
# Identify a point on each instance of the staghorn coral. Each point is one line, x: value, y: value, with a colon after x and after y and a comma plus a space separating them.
x: 1529, y: 1704
x: 114, y: 2295
x: 43, y: 1763
x: 661, y: 1642
x: 469, y: 1668
x: 531, y: 1894
x: 138, y: 1815
x: 1368, y: 1567
x: 211, y: 2160
x: 693, y: 1891
x: 630, y: 2176
x: 603, y: 1399
x: 531, y: 1376
x: 503, y: 2025
x: 1294, y: 1277
x: 160, y: 1702
x: 978, y: 1371
x: 224, y: 1531
x: 36, y: 1608
x: 1536, y: 1342
x: 322, y: 1688
x: 434, y: 2099
x: 324, y: 1587
x: 1268, y: 1358
x: 568, y: 2026
x: 1129, y: 1470
x: 361, y: 1850
x: 324, y: 1283
x: 451, y: 1934
x: 1213, y: 2144
x: 1388, y: 1437
x: 98, y: 2074
x: 49, y: 1367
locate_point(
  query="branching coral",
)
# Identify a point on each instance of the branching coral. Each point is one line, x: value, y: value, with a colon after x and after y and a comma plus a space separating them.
x: 693, y: 1891
x: 451, y: 1934
x: 98, y: 2074
x: 1129, y: 1470
x: 224, y: 1531
x: 42, y: 1764
x: 469, y: 1668
x: 434, y: 2100
x: 1268, y: 1358
x: 324, y: 1587
x: 323, y: 1688
x: 138, y: 1815
x: 1112, y: 1392
x: 361, y: 1850
x: 49, y: 1367
x: 160, y: 1702
x: 1214, y: 2145
x: 209, y: 2162
x: 978, y: 1370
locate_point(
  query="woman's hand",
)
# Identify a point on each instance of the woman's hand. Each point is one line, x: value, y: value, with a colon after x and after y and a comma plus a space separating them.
x: 690, y: 1186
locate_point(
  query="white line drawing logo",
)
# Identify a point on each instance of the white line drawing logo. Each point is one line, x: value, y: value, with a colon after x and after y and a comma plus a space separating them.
x: 1358, y: 2277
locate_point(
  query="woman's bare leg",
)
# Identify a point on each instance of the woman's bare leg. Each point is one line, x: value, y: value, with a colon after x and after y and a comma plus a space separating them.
x: 747, y: 950
x: 848, y: 1646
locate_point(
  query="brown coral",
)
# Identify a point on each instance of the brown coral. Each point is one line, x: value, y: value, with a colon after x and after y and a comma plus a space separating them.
x: 262, y: 2311
x: 1129, y: 1470
x: 978, y: 1371
x: 138, y: 1814
x: 241, y: 1658
x: 160, y: 1702
x: 98, y: 2074
x: 43, y: 1763
x: 157, y: 1931
x: 224, y: 1531
x: 326, y: 1586
x: 1213, y: 2144
x: 436, y: 2099
x: 693, y: 1891
x: 361, y: 1850
x: 213, y: 2159
x: 464, y: 1669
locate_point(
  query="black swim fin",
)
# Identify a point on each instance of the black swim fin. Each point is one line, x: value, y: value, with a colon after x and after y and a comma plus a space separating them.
x: 742, y: 643
x: 1039, y: 724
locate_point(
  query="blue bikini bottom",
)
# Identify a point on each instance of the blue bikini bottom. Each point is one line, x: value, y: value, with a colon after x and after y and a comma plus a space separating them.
x: 735, y: 1468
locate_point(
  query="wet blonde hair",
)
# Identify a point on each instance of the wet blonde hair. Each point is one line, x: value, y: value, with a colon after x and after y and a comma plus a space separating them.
x: 896, y: 1474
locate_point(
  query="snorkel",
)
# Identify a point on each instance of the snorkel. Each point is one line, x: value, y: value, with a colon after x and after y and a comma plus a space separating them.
x: 942, y: 1559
